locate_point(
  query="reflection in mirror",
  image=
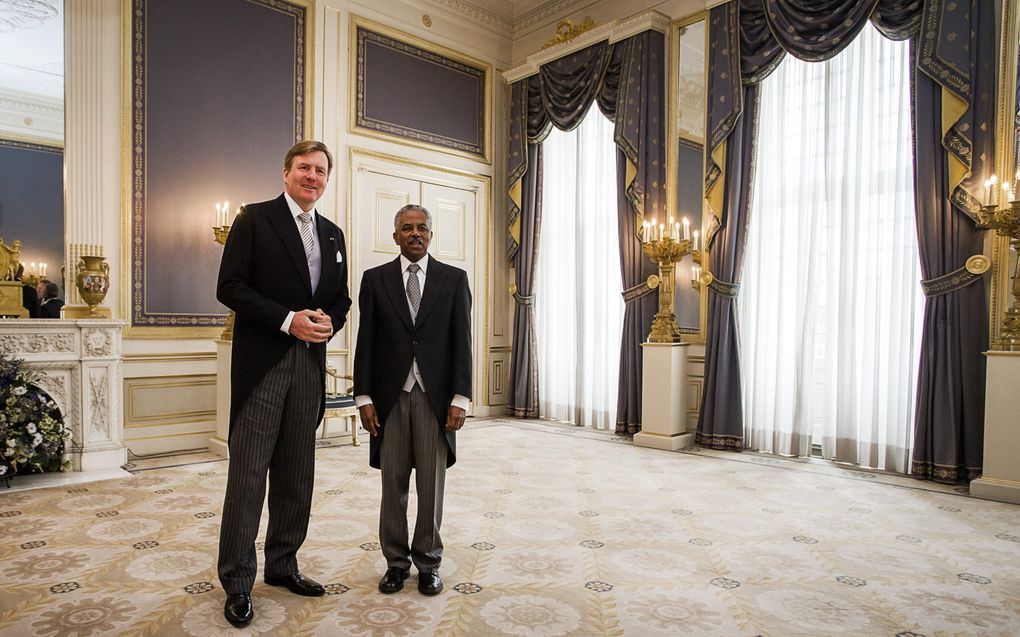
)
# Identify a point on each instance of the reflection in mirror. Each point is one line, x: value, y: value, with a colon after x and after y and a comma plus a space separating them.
x: 687, y: 132
x: 32, y: 133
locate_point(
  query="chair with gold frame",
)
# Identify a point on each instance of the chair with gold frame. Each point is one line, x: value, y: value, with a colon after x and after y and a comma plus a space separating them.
x: 341, y: 404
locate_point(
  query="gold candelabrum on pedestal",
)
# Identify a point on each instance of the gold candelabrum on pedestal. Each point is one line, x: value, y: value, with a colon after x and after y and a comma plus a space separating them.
x: 220, y: 233
x: 1006, y: 223
x: 666, y: 248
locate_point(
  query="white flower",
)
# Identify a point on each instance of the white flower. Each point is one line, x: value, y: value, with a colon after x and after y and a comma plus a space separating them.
x: 20, y: 390
x: 3, y: 469
x: 31, y: 428
x: 37, y: 440
x: 12, y: 443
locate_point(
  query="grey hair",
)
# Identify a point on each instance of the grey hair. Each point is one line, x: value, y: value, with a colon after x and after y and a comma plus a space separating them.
x: 412, y: 206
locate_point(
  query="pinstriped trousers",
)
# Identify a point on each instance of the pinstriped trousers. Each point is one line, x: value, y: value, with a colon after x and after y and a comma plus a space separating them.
x: 274, y: 433
x: 412, y: 438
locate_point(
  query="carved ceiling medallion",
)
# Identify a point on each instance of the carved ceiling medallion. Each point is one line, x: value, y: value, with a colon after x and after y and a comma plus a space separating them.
x: 26, y: 14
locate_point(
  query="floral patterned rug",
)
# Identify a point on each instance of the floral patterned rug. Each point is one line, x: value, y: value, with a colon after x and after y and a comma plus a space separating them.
x: 549, y: 532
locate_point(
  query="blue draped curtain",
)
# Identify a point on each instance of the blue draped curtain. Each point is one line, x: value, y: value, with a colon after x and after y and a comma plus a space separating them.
x: 954, y: 88
x: 626, y: 80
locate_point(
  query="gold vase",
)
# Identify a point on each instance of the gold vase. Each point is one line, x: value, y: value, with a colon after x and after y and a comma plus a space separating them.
x: 93, y: 281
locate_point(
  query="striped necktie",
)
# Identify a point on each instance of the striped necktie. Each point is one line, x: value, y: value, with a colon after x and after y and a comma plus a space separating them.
x: 413, y: 289
x: 306, y: 233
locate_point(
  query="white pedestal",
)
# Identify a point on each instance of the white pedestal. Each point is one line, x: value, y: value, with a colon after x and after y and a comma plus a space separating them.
x: 1000, y: 479
x: 662, y: 397
x: 218, y: 445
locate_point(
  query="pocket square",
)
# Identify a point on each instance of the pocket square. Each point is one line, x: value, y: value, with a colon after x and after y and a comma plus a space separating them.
x: 339, y: 257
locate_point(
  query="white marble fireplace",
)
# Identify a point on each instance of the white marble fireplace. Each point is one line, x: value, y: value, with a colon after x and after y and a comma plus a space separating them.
x: 80, y: 363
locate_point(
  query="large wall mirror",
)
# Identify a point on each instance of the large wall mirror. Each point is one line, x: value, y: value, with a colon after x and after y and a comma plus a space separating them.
x: 32, y: 133
x: 686, y: 130
x: 1004, y: 282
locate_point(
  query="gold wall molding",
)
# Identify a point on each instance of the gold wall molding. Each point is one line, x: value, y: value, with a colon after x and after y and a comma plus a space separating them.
x: 358, y: 22
x: 188, y: 399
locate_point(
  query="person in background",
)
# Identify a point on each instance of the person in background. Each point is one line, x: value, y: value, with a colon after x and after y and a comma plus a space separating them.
x: 50, y: 306
x: 29, y: 299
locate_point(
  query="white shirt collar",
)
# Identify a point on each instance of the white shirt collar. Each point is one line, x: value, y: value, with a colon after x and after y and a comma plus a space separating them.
x: 295, y: 209
x: 423, y: 262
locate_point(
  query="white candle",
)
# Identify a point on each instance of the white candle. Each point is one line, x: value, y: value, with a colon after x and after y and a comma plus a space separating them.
x: 43, y: 268
x: 1005, y: 194
x: 992, y: 182
x: 676, y: 227
x: 695, y: 273
x: 662, y: 231
x: 32, y: 268
x: 697, y: 240
x: 219, y: 215
x: 687, y: 228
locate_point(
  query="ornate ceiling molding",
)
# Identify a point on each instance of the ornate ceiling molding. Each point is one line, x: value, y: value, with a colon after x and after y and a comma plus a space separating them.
x: 547, y: 12
x: 488, y: 19
x: 25, y: 14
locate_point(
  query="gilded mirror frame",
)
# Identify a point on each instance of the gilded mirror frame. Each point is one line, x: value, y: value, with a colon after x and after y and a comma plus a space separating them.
x: 1007, y: 163
x: 673, y: 134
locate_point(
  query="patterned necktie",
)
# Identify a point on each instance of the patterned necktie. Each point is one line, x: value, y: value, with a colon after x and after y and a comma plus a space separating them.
x: 306, y: 233
x: 413, y: 288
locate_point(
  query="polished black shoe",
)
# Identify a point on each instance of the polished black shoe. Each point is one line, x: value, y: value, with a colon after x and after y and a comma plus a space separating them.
x: 393, y: 580
x: 429, y: 583
x: 298, y: 584
x: 238, y: 609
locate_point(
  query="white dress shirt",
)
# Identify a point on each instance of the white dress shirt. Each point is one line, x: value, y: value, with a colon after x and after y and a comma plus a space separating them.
x: 314, y: 261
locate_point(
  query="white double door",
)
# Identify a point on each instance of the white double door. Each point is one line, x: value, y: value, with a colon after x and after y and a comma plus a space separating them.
x: 456, y: 202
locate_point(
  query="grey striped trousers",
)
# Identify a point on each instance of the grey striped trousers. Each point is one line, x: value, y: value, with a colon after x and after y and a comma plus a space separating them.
x: 412, y: 438
x: 274, y: 433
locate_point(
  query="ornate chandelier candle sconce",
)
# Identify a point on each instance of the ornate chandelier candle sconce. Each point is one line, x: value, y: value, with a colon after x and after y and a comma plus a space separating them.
x: 1006, y: 223
x: 220, y: 233
x: 666, y: 246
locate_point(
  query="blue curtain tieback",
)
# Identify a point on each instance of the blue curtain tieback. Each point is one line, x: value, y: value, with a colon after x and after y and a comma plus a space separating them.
x: 636, y: 292
x: 724, y: 288
x: 959, y: 278
x: 524, y: 300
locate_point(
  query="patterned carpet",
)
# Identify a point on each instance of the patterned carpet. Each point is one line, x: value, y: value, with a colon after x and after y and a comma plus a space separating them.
x: 549, y: 532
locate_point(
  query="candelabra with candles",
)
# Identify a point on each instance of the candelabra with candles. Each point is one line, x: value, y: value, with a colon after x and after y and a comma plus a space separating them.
x: 220, y: 232
x: 1005, y: 221
x: 667, y: 246
x: 34, y: 273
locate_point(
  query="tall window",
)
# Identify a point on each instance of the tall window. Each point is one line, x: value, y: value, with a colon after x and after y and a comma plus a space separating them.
x: 578, y: 307
x: 830, y: 307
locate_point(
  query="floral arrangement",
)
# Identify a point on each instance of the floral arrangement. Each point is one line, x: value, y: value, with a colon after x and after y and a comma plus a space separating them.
x: 32, y: 432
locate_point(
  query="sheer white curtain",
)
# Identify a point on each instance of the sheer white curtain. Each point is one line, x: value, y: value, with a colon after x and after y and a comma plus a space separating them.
x: 578, y: 307
x: 830, y: 307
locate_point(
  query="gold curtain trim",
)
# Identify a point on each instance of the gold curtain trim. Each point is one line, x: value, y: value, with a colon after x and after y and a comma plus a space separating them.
x: 953, y: 109
x: 514, y: 226
x: 715, y: 195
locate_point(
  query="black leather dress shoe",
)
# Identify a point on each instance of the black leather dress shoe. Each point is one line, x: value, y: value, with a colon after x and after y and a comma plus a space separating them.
x: 298, y: 584
x: 429, y: 583
x: 393, y: 580
x: 238, y: 610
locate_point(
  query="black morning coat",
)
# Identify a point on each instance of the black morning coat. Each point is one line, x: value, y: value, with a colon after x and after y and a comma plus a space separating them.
x: 263, y: 276
x: 439, y: 339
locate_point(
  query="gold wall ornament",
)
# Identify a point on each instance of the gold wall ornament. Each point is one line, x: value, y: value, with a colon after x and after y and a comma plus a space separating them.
x: 1006, y: 223
x: 92, y: 279
x: 566, y: 31
x: 978, y: 264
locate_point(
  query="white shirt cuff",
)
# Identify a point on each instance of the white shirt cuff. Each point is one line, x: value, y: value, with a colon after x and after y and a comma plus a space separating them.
x: 461, y: 401
x: 362, y: 400
x: 285, y: 328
